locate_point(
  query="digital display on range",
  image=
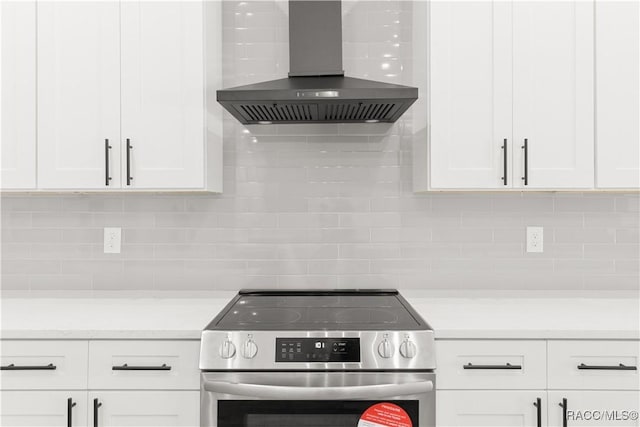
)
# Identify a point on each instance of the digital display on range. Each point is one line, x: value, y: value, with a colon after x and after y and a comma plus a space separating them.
x: 317, y: 350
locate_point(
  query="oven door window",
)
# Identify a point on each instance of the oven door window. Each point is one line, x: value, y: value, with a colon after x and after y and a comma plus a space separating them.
x: 304, y: 413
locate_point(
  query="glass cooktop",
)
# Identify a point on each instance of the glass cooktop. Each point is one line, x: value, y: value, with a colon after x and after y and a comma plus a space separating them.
x: 318, y: 310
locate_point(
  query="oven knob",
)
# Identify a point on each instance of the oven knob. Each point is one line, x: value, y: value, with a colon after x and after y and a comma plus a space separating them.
x: 408, y: 349
x: 249, y: 349
x: 385, y: 349
x: 227, y: 349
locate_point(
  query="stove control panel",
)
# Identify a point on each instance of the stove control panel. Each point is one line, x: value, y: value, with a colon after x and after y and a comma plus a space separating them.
x: 309, y: 350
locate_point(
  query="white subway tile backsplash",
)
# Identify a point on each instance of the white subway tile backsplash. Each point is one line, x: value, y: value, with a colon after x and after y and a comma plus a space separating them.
x: 627, y: 235
x: 338, y: 267
x: 17, y: 251
x: 584, y: 235
x: 612, y: 251
x: 584, y: 203
x: 371, y: 251
x: 320, y: 206
x: 28, y: 235
x: 62, y: 220
x: 30, y: 266
x: 308, y: 251
x: 61, y: 282
x: 15, y: 282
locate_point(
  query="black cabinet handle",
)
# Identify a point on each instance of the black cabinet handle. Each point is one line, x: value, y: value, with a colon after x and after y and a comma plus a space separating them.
x: 12, y: 367
x: 107, y: 147
x: 525, y: 147
x: 505, y: 366
x: 619, y: 367
x: 538, y: 405
x: 129, y: 148
x: 70, y: 405
x: 563, y: 405
x: 126, y: 367
x: 96, y: 405
x: 504, y: 162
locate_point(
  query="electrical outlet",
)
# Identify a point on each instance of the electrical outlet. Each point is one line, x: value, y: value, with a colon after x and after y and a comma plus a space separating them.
x: 112, y: 240
x: 535, y: 239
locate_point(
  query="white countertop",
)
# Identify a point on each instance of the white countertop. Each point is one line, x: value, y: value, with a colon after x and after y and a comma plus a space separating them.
x: 450, y: 317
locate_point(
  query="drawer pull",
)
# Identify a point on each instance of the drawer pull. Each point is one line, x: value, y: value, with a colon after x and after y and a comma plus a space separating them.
x: 70, y: 405
x: 96, y: 404
x: 126, y: 367
x: 12, y: 367
x: 505, y: 366
x: 563, y: 405
x: 620, y: 367
x: 538, y: 405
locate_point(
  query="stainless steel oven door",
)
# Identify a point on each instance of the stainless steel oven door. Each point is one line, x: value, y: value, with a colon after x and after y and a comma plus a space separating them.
x: 337, y: 399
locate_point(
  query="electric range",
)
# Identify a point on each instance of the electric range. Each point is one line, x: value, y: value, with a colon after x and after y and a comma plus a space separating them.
x: 347, y: 358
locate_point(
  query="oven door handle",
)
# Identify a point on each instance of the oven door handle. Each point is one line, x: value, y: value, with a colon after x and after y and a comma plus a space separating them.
x: 277, y: 392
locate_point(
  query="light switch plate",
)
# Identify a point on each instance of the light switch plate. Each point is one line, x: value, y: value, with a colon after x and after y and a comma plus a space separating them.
x: 112, y: 240
x: 535, y: 239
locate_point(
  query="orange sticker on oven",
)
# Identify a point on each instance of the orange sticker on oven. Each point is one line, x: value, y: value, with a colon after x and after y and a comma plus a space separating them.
x: 385, y: 415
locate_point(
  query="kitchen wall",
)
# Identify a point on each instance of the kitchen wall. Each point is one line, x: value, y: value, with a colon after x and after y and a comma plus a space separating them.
x: 320, y: 206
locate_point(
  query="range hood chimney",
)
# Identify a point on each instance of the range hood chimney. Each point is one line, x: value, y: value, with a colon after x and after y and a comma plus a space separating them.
x: 316, y: 90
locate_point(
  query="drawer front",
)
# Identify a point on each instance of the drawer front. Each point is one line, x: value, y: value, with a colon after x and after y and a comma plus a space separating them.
x: 594, y: 365
x: 43, y: 365
x: 144, y: 365
x: 491, y: 365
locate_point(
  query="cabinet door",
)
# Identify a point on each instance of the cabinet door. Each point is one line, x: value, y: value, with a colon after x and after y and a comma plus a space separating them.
x: 470, y: 93
x: 163, y: 94
x: 617, y: 94
x: 78, y: 94
x: 489, y: 408
x: 594, y: 408
x: 43, y: 408
x: 553, y: 102
x: 146, y: 408
x: 18, y: 95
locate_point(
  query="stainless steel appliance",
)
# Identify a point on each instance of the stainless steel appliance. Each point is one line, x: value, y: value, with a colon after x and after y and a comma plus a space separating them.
x: 344, y: 358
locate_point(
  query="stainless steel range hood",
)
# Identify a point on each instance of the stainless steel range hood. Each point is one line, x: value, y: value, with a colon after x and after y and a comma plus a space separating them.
x: 316, y: 90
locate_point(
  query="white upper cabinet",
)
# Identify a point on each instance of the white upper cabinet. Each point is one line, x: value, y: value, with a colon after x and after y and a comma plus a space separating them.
x: 163, y: 94
x: 118, y: 93
x: 617, y: 94
x: 553, y: 94
x: 502, y: 73
x: 18, y: 95
x: 78, y: 94
x: 470, y: 93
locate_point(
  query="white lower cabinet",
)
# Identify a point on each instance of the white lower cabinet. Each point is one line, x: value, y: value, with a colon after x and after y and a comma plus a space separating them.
x: 99, y: 383
x: 145, y: 408
x: 43, y: 408
x: 594, y: 408
x: 113, y: 408
x: 495, y: 408
x: 578, y: 383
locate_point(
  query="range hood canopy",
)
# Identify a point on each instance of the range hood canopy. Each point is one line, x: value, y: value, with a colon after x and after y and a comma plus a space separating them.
x: 316, y: 90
